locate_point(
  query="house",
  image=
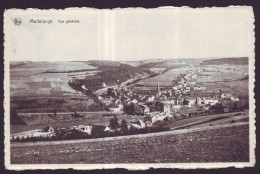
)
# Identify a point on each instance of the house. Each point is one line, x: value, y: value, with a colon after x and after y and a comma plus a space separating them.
x: 187, y: 88
x: 186, y: 91
x: 234, y: 98
x: 155, y: 116
x: 120, y: 105
x: 85, y: 128
x: 137, y: 124
x: 175, y: 88
x: 163, y: 106
x: 180, y: 86
x: 107, y: 101
x: 179, y: 101
x: 134, y: 101
x: 199, y: 101
x: 194, y: 76
x: 48, y: 129
x: 107, y: 129
x: 227, y: 95
x: 115, y: 109
x: 136, y: 109
x: 117, y: 101
x: 145, y: 108
x: 210, y: 100
x: 175, y: 108
x: 203, y: 88
x: 192, y: 83
x: 148, y: 123
x: 169, y: 102
x: 192, y: 101
x: 169, y: 92
x: 150, y: 98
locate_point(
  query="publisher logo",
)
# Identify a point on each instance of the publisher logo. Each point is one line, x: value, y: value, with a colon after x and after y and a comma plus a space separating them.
x: 17, y: 21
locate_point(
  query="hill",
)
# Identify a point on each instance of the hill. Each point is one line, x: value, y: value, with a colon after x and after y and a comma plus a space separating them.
x: 110, y: 73
x: 231, y: 61
x: 208, y: 145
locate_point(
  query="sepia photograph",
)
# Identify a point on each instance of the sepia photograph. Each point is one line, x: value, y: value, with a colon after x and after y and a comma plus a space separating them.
x: 130, y: 88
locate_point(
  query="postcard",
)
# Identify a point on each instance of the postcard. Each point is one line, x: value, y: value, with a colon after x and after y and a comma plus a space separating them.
x: 134, y: 88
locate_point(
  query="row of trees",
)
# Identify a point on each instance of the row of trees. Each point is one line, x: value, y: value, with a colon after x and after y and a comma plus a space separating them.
x: 98, y: 131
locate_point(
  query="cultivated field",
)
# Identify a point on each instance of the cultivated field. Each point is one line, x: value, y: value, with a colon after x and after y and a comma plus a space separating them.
x: 212, y: 145
x: 227, y: 78
x: 216, y: 73
x: 55, y: 74
x: 165, y: 78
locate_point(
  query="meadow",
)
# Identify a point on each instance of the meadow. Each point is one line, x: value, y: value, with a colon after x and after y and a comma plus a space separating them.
x: 213, y: 145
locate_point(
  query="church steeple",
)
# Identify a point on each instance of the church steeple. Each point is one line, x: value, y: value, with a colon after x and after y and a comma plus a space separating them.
x: 158, y: 88
x: 158, y: 92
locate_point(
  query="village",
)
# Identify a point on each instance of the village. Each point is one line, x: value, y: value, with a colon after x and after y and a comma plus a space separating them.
x: 185, y: 98
x: 147, y: 110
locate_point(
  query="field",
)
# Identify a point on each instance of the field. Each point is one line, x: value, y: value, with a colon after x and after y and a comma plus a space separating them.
x: 166, y: 78
x: 213, y: 145
x: 30, y: 78
x: 227, y: 78
x: 216, y: 73
x: 236, y: 87
x: 210, y: 120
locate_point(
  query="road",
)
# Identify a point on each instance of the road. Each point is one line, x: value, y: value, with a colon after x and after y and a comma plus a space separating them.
x: 115, y: 86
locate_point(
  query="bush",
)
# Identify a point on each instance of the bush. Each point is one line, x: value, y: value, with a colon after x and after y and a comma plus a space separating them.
x: 124, y: 128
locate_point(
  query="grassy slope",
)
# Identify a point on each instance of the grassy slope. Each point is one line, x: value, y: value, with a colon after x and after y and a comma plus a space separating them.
x: 216, y: 145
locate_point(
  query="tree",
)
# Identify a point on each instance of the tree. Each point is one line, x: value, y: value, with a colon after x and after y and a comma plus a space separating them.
x: 124, y: 128
x: 15, y: 118
x: 218, y: 108
x: 114, y: 123
x: 98, y: 131
x: 235, y: 108
x: 109, y: 91
x: 185, y: 102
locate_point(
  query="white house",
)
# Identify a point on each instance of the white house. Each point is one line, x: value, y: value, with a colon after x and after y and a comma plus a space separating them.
x: 115, y: 109
x: 175, y: 88
x: 210, y: 100
x: 155, y: 116
x: 85, y: 128
x: 199, y: 100
x: 234, y: 98
x: 134, y: 101
x: 138, y: 124
x: 150, y: 98
x: 192, y: 101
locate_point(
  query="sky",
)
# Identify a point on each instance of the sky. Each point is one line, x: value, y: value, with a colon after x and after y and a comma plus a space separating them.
x: 130, y: 34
